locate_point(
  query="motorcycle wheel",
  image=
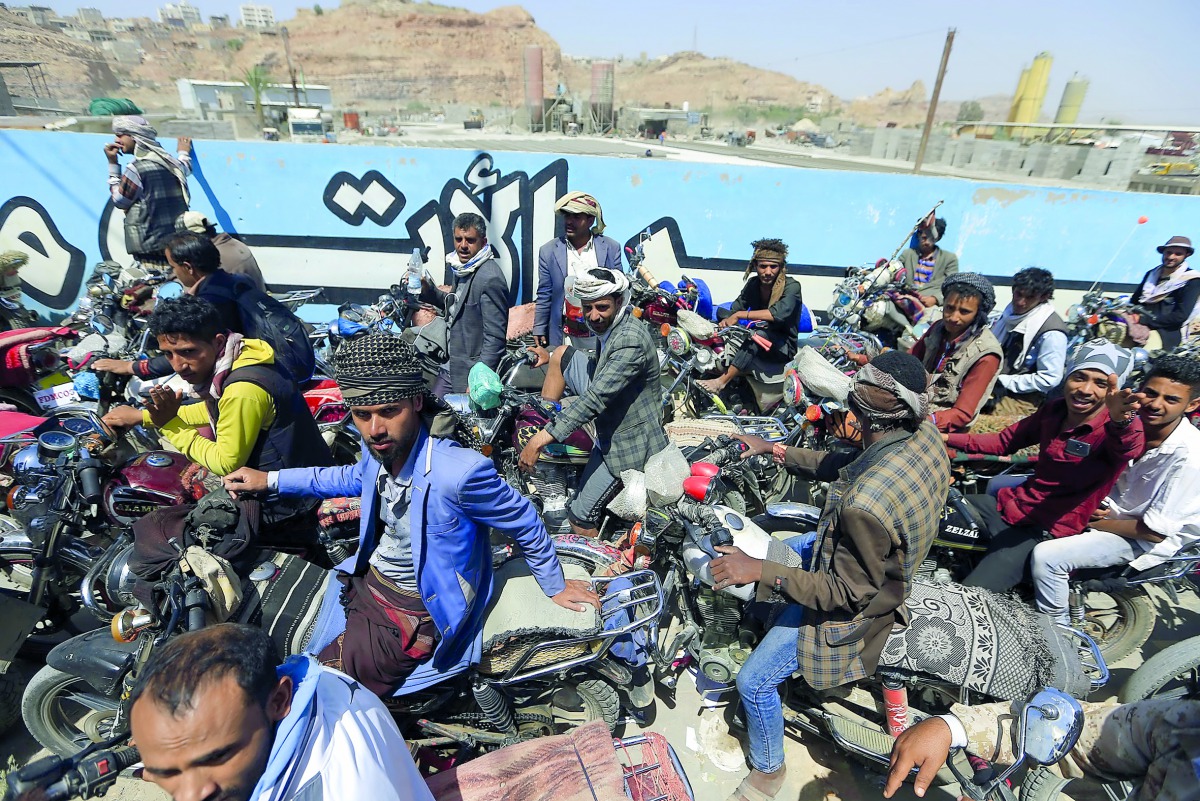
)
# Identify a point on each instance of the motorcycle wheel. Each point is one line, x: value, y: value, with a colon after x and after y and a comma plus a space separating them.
x: 16, y: 577
x: 598, y: 700
x: 12, y: 683
x: 1042, y: 785
x: 1121, y: 625
x: 64, y: 713
x: 1171, y: 673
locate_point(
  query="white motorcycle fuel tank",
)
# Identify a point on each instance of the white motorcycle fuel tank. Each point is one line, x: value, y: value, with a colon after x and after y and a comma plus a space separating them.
x: 749, y: 537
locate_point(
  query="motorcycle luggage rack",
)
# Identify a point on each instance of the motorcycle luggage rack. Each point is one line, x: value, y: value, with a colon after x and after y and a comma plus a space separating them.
x: 769, y: 428
x: 1093, y: 662
x: 643, y: 590
x: 651, y: 770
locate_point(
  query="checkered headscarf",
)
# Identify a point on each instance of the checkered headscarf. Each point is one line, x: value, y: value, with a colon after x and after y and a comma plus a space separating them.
x: 377, y: 368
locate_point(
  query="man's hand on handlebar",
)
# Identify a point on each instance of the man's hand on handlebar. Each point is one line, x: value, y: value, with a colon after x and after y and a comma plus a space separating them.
x: 245, y: 481
x: 123, y: 417
x: 754, y: 445
x: 732, y: 319
x: 115, y: 366
x: 543, y: 355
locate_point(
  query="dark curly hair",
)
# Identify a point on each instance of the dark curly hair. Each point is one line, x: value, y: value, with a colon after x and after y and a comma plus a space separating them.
x: 1035, y: 281
x: 189, y: 315
x: 769, y: 244
x: 1180, y: 369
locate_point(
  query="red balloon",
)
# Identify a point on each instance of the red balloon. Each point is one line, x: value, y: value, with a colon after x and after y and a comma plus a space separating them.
x: 1143, y: 220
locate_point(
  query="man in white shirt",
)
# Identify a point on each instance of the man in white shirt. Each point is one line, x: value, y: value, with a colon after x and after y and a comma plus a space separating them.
x: 1034, y: 340
x: 1154, y: 509
x: 216, y: 716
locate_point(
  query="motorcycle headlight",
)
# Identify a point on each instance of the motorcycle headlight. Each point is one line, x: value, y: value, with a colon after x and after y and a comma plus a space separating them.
x: 793, y: 390
x: 678, y: 341
x: 704, y: 357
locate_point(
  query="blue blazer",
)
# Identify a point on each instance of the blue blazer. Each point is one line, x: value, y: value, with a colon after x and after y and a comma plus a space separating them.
x: 552, y: 272
x: 456, y: 496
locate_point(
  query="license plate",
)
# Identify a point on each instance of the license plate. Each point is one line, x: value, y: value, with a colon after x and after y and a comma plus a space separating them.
x: 56, y: 396
x: 53, y: 380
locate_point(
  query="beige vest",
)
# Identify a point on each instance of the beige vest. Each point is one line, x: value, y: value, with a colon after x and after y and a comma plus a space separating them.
x: 944, y: 386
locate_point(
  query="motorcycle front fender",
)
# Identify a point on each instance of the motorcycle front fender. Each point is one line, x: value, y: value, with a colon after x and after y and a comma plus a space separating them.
x: 96, y: 658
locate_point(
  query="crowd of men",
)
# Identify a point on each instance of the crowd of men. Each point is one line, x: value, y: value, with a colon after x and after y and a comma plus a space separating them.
x: 1116, y: 481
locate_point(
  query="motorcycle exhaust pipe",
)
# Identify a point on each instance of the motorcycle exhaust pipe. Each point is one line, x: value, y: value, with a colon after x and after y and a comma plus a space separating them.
x: 129, y: 623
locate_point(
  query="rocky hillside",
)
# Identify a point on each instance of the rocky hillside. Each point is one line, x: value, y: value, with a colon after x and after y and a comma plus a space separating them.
x: 397, y: 55
x: 74, y: 70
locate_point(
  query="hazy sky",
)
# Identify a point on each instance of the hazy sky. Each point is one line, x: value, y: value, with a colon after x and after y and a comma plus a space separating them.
x: 1140, y: 57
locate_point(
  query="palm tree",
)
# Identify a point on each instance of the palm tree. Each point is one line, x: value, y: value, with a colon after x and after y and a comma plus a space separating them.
x: 258, y: 78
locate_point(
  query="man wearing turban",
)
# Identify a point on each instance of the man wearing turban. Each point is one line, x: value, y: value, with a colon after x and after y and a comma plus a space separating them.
x: 618, y: 389
x: 421, y: 580
x: 152, y: 191
x: 561, y: 262
x: 927, y: 265
x: 1086, y: 439
x: 879, y: 522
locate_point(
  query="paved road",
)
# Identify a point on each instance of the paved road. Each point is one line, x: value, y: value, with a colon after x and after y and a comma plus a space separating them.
x: 715, y: 761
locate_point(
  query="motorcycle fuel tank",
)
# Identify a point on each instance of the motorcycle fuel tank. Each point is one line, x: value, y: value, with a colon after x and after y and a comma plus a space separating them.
x: 148, y: 482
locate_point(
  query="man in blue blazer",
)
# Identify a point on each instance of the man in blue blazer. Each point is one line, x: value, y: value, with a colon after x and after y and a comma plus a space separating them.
x: 580, y: 248
x: 422, y: 577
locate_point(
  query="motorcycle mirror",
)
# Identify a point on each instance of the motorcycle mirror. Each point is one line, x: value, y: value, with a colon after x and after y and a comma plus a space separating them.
x: 1050, y: 726
x: 102, y: 324
x: 169, y: 290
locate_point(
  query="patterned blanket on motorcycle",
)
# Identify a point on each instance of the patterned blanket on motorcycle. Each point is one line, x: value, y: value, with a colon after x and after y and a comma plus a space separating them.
x: 988, y: 643
x: 521, y: 616
x: 282, y: 596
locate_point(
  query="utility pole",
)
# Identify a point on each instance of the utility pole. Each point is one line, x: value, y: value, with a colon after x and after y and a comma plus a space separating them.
x: 937, y: 91
x: 287, y: 51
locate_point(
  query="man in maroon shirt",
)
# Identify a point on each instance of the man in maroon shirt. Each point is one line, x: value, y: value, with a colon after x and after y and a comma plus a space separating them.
x: 1086, y: 438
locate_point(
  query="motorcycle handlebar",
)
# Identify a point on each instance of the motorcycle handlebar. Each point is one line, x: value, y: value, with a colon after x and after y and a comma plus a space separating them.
x: 89, y: 480
x: 85, y: 775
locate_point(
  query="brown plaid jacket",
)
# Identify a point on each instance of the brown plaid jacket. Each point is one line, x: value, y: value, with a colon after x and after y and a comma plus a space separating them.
x: 879, y: 521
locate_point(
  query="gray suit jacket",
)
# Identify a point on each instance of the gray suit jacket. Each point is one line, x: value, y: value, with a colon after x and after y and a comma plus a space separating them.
x: 552, y: 272
x: 478, y: 323
x: 623, y: 398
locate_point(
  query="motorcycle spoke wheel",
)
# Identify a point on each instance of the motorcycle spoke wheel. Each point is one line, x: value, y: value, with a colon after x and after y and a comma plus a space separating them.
x: 16, y: 579
x: 1171, y: 673
x: 65, y: 714
x: 1120, y: 622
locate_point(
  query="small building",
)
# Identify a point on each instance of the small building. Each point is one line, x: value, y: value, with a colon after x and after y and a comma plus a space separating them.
x: 218, y: 21
x: 205, y: 99
x: 180, y: 15
x: 650, y: 122
x: 256, y: 16
x: 90, y: 18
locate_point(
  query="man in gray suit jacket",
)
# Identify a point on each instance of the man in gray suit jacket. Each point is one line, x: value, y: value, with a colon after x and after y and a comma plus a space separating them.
x: 580, y: 249
x: 618, y: 389
x: 476, y: 308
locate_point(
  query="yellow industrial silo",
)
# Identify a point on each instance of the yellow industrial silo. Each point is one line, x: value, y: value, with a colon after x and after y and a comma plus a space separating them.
x: 1072, y: 100
x: 1022, y: 84
x: 1030, y: 108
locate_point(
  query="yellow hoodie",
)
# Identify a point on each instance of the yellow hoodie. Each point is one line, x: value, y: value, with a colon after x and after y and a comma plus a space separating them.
x: 245, y: 410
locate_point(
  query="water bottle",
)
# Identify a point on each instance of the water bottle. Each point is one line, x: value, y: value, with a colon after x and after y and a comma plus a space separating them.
x: 415, y: 265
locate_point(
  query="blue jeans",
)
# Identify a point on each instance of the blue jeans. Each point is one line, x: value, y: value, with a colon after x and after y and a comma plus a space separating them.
x: 1053, y: 560
x: 769, y: 665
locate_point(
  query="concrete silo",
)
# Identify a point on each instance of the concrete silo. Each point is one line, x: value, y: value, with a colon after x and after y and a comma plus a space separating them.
x: 1029, y: 108
x: 1072, y: 100
x: 535, y: 90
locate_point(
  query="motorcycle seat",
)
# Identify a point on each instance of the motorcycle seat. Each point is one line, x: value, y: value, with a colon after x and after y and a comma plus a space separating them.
x: 521, y: 616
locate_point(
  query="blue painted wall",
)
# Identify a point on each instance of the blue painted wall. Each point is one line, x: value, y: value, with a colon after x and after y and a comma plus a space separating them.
x: 346, y: 217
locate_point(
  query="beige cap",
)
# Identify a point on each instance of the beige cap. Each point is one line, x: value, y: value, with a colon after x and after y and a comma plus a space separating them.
x: 193, y: 221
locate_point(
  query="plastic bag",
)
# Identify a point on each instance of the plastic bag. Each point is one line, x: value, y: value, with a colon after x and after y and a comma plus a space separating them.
x: 630, y: 503
x: 665, y: 472
x: 484, y: 387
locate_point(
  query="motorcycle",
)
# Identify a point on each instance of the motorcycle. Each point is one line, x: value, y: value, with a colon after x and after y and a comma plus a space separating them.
x: 697, y: 349
x: 34, y: 378
x: 533, y: 678
x: 1097, y: 316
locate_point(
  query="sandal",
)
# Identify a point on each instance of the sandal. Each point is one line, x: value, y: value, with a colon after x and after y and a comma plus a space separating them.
x: 748, y: 792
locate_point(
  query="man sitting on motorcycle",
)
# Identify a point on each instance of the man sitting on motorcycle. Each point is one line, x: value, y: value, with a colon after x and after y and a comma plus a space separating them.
x: 928, y: 266
x: 1034, y: 340
x: 877, y: 526
x: 1085, y: 438
x: 1152, y: 742
x: 422, y: 577
x: 770, y: 297
x: 1154, y: 509
x: 618, y: 388
x: 215, y: 715
x: 960, y: 353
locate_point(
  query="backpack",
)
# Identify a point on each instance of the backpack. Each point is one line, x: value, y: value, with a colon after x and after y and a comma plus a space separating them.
x: 265, y: 318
